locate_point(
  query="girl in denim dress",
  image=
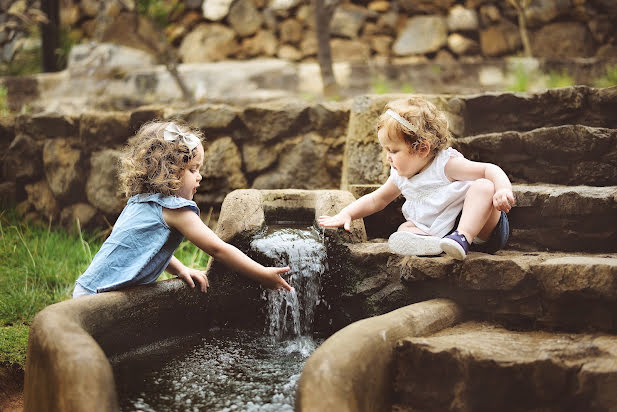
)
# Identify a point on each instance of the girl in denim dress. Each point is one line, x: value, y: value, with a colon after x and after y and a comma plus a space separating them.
x: 160, y: 174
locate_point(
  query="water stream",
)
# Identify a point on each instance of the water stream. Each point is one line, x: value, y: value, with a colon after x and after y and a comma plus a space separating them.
x: 236, y: 370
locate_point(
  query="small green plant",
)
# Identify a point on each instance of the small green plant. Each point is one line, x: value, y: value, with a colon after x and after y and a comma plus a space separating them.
x: 4, y: 105
x: 68, y: 39
x: 407, y: 88
x: 521, y: 79
x: 559, y: 79
x: 381, y: 86
x: 159, y: 10
x: 609, y: 79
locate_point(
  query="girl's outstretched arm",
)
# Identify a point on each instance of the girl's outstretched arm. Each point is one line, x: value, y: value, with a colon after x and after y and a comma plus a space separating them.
x: 366, y: 205
x: 191, y: 226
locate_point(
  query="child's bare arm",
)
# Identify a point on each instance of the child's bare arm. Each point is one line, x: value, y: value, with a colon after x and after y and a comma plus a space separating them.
x: 175, y: 267
x: 366, y: 205
x: 462, y: 169
x: 191, y: 226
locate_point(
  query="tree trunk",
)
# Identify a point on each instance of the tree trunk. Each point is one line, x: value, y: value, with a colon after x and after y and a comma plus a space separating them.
x: 50, y: 35
x: 323, y: 16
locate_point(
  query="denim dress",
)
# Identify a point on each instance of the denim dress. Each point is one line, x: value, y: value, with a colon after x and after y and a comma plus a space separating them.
x: 140, y: 246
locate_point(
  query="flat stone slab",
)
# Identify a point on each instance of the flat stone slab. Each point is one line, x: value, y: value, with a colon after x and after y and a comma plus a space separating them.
x: 567, y: 154
x: 576, y: 291
x: 479, y: 366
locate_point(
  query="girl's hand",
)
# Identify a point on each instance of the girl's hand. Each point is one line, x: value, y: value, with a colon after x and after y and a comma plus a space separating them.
x: 273, y: 280
x: 503, y: 200
x: 338, y: 220
x: 189, y: 274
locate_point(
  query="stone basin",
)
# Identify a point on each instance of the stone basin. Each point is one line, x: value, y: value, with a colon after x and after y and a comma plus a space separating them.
x: 70, y: 342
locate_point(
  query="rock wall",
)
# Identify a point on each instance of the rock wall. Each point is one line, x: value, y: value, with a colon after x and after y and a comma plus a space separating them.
x: 64, y: 167
x: 395, y: 31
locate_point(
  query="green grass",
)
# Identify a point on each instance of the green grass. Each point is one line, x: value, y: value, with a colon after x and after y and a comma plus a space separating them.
x: 13, y: 344
x: 559, y: 79
x: 609, y: 79
x: 4, y: 105
x: 520, y: 81
x: 159, y: 10
x: 39, y: 266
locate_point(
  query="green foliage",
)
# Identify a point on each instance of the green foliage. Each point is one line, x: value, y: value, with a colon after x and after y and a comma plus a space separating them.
x: 609, y: 79
x: 27, y: 61
x: 520, y: 81
x: 68, y: 39
x: 381, y: 86
x: 407, y: 88
x: 4, y: 105
x: 159, y: 10
x: 13, y: 344
x: 559, y: 79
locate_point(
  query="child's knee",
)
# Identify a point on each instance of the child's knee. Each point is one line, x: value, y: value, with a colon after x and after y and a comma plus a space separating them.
x: 482, y: 187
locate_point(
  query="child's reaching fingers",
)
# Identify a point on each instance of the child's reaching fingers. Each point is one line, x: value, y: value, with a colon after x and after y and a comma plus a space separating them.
x: 187, y: 278
x: 202, y: 279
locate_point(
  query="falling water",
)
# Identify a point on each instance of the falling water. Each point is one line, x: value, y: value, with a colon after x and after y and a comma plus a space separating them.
x: 291, y: 314
x: 236, y: 370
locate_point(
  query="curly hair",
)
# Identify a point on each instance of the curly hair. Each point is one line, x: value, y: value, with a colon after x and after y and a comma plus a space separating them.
x: 431, y: 124
x: 151, y: 164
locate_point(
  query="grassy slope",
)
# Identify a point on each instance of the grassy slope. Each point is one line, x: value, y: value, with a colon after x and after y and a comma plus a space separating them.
x: 39, y: 265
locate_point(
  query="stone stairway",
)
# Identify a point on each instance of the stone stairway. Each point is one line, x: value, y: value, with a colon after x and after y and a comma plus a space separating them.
x: 540, y: 316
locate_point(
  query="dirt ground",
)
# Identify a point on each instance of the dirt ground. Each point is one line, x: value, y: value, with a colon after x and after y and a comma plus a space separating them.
x: 11, y: 389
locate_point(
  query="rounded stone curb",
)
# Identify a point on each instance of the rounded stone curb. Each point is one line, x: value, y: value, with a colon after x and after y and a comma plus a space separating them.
x: 351, y: 370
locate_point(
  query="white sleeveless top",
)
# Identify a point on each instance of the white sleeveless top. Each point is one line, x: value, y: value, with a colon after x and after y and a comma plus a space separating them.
x: 432, y: 201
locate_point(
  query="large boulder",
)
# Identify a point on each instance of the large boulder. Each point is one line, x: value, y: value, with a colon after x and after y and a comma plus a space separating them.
x: 64, y: 169
x: 222, y: 171
x: 421, y: 34
x: 102, y: 187
x: 207, y: 43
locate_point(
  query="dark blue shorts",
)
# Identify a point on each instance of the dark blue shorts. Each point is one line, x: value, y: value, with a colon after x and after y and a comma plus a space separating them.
x: 497, y: 240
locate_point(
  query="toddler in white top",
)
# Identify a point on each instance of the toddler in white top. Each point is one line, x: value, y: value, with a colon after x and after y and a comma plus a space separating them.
x: 450, y: 202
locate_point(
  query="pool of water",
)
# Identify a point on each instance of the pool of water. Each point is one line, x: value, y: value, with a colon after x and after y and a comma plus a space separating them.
x: 221, y: 370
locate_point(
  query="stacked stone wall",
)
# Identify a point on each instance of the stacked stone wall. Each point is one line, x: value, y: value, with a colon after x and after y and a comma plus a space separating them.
x: 399, y: 31
x: 65, y: 167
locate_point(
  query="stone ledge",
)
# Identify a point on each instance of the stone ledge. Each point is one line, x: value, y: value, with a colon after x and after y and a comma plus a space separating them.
x: 569, y: 155
x: 557, y: 290
x: 524, y: 370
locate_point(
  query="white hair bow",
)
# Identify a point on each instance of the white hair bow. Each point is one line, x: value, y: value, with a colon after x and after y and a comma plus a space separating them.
x: 173, y: 133
x: 402, y: 120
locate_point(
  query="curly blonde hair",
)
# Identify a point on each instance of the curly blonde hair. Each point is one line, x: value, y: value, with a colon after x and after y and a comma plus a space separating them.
x: 151, y: 164
x: 431, y: 124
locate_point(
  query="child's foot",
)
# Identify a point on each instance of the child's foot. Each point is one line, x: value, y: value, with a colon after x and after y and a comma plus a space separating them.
x: 455, y: 245
x: 412, y: 244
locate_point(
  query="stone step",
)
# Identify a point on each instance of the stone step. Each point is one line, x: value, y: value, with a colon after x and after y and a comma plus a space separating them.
x: 569, y: 291
x: 546, y: 217
x: 483, y: 367
x: 498, y: 112
x: 565, y: 155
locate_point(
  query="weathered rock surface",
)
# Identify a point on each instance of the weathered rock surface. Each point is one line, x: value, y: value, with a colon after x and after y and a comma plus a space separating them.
x: 476, y: 366
x: 102, y: 187
x: 572, y: 291
x: 550, y: 154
